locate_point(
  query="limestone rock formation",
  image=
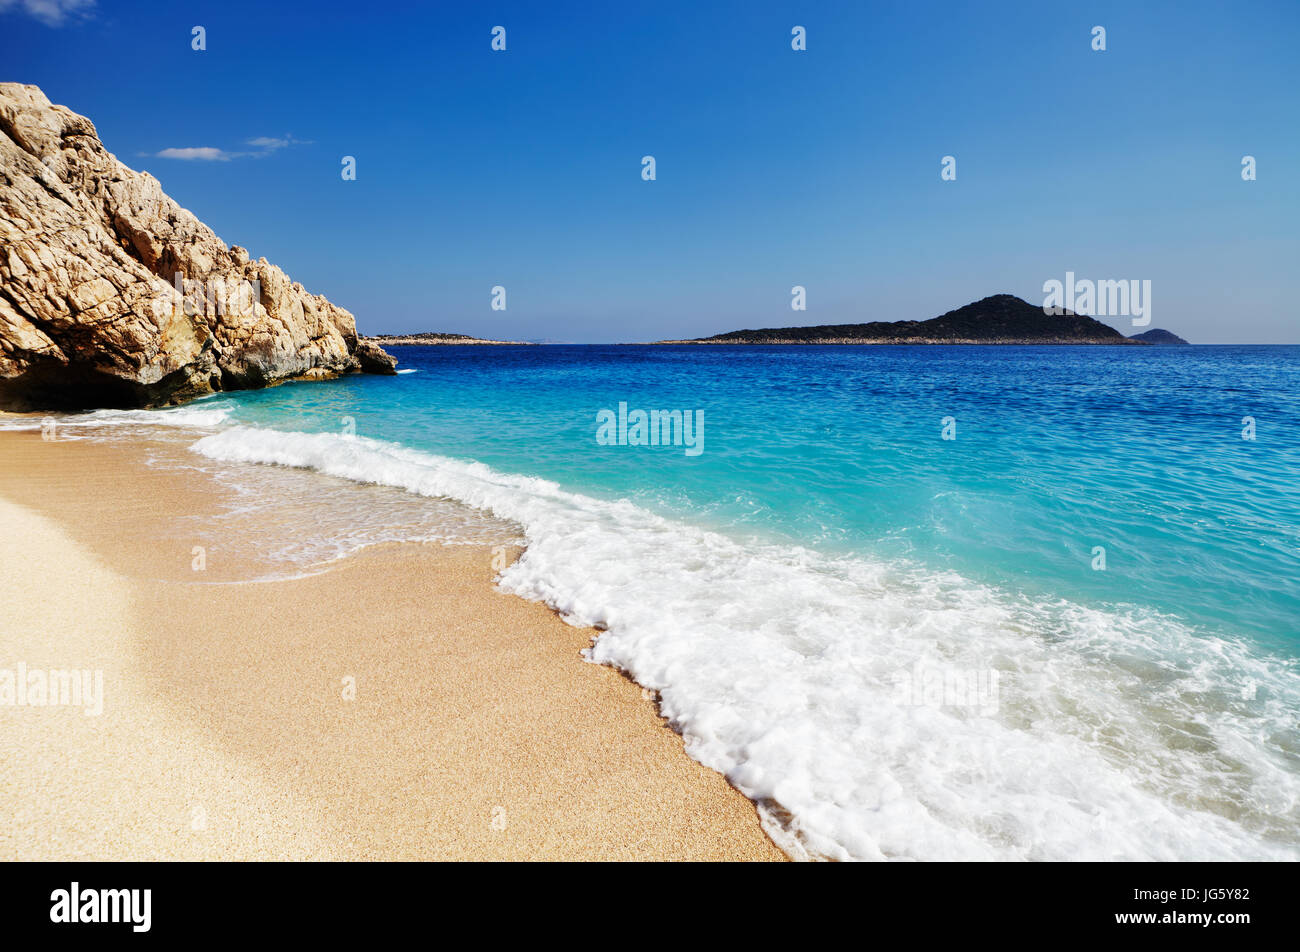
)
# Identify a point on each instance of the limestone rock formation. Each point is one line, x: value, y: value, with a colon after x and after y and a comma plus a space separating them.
x: 111, y: 294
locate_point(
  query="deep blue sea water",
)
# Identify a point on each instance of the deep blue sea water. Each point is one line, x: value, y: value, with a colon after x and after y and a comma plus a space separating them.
x: 898, y: 645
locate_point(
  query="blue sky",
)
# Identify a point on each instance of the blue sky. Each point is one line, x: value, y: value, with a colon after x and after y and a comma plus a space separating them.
x: 820, y: 168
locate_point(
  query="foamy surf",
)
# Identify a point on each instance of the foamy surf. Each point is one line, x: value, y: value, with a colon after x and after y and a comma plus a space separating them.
x: 197, y: 414
x: 1111, y: 735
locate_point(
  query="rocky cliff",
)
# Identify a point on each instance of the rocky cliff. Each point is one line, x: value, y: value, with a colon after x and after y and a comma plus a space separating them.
x: 111, y: 294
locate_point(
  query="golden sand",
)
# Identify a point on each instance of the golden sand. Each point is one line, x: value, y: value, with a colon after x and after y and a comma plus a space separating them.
x: 394, y: 706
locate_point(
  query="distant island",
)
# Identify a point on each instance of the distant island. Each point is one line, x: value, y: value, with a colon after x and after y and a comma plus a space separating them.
x: 998, y: 319
x: 430, y: 338
x: 1159, y: 336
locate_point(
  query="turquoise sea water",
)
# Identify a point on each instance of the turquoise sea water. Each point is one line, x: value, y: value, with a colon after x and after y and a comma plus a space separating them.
x: 1057, y: 450
x: 899, y: 646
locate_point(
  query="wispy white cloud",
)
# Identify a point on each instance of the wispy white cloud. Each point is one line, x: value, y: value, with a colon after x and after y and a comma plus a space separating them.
x: 269, y: 144
x: 203, y: 153
x: 50, y: 12
x: 262, y: 146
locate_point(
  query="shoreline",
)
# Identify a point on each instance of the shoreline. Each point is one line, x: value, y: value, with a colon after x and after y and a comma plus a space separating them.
x: 474, y: 729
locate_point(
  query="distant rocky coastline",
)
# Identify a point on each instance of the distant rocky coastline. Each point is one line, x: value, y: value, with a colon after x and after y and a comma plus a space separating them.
x: 112, y: 295
x: 998, y: 319
x: 430, y: 338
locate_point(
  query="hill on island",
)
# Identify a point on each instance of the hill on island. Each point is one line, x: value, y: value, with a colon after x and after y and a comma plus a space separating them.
x: 1158, y: 335
x: 998, y: 319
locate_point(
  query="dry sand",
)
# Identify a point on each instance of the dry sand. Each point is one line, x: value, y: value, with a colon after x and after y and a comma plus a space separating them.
x: 476, y: 731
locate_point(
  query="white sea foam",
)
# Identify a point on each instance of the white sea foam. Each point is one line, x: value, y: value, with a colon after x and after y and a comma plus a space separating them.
x: 198, y: 414
x: 1117, y: 735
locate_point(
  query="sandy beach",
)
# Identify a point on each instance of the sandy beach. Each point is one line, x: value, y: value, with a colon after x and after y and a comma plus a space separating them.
x: 393, y: 706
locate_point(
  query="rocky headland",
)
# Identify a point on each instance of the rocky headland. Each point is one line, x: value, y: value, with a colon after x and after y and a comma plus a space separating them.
x: 432, y: 338
x: 112, y: 295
